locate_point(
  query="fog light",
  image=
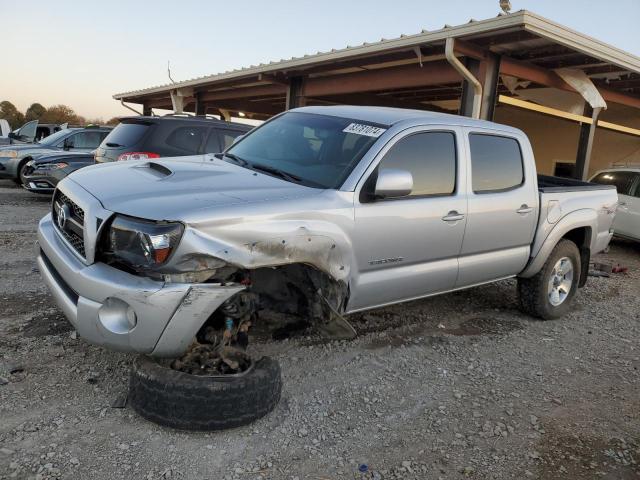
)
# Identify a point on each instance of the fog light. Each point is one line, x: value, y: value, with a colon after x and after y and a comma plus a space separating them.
x: 117, y: 316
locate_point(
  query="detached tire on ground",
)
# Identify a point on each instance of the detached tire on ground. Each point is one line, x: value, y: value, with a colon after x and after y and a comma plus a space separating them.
x: 192, y: 402
x: 550, y: 292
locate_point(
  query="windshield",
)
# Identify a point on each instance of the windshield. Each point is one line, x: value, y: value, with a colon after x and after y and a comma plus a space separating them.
x: 54, y: 138
x: 316, y: 150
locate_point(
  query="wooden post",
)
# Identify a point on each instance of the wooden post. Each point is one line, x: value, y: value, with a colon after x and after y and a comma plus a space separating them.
x: 295, y: 96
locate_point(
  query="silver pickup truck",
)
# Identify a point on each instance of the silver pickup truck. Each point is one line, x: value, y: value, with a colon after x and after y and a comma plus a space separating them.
x: 320, y: 212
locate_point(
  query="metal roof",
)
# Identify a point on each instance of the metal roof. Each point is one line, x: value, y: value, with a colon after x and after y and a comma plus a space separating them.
x: 522, y: 20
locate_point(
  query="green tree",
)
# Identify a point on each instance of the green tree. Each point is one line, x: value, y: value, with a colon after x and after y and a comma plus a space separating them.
x: 10, y: 113
x: 34, y: 112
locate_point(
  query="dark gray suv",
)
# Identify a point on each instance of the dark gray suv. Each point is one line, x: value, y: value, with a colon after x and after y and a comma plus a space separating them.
x: 139, y: 138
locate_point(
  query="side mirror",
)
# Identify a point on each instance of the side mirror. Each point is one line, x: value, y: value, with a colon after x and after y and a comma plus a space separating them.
x: 68, y: 144
x: 13, y: 136
x: 393, y: 183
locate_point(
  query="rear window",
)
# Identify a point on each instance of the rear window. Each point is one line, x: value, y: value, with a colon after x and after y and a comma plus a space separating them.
x: 623, y: 181
x: 126, y: 134
x: 496, y: 163
x: 187, y: 139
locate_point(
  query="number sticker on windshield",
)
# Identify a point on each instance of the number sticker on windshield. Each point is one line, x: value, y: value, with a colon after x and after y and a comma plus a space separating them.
x: 367, y: 130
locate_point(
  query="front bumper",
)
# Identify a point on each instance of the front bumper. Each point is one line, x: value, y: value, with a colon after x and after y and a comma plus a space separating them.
x: 124, y: 312
x: 40, y: 183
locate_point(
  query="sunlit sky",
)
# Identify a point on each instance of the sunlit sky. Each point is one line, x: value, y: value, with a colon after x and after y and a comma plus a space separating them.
x: 81, y: 53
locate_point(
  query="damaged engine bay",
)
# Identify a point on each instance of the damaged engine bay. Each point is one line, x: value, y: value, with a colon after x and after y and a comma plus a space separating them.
x: 285, y: 299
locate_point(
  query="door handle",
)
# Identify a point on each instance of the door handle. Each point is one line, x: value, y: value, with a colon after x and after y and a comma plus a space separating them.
x: 453, y: 216
x: 524, y: 209
x: 622, y: 204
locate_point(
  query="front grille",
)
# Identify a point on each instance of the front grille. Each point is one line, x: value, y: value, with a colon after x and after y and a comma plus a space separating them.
x: 73, y: 228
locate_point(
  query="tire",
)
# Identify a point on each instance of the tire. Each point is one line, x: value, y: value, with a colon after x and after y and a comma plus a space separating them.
x: 536, y: 298
x: 191, y: 402
x: 20, y: 178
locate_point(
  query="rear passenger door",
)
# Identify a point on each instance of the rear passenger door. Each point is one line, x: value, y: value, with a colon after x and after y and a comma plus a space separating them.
x: 502, y: 207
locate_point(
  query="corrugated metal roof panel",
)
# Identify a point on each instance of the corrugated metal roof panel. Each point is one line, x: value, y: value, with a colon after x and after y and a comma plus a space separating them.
x: 522, y: 19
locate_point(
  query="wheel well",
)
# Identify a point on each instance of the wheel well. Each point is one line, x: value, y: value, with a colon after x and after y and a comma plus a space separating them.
x: 582, y: 238
x: 293, y: 290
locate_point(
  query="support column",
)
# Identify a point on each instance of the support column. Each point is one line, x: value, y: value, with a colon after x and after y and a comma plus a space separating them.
x: 146, y: 110
x: 466, y: 101
x: 201, y: 107
x: 490, y: 86
x: 585, y: 144
x: 295, y: 94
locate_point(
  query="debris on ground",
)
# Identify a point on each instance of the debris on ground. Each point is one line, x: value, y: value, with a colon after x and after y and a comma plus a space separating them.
x: 209, y: 359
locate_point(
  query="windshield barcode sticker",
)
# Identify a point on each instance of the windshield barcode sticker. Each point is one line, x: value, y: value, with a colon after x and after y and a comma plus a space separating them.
x: 366, y: 130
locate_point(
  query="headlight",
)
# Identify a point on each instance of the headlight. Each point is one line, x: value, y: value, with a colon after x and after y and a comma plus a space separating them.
x: 9, y: 153
x: 140, y: 243
x: 52, y: 166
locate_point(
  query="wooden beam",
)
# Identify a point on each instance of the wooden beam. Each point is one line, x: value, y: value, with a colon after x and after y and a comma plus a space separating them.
x: 246, y: 92
x: 372, y: 80
x: 548, y: 78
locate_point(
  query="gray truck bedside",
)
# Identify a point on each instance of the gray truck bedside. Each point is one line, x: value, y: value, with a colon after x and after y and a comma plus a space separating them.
x: 329, y: 210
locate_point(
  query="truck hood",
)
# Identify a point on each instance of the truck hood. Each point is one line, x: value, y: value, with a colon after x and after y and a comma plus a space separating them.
x: 176, y: 189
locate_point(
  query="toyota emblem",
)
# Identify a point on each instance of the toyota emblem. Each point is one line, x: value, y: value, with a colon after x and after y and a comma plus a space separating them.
x: 63, y: 212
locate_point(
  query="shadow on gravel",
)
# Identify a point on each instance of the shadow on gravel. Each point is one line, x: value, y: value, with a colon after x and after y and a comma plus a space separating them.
x: 565, y: 455
x: 475, y: 326
x: 47, y: 323
x: 25, y: 303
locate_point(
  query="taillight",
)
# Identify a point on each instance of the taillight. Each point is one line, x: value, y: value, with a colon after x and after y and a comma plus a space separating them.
x: 137, y: 156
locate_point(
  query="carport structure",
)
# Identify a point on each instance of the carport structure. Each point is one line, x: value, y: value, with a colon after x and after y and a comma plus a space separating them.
x: 504, y: 68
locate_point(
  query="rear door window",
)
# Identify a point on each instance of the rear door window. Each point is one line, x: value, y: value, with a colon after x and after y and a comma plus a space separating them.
x: 228, y: 136
x: 496, y: 163
x: 623, y: 181
x: 126, y: 134
x: 213, y: 143
x: 86, y: 140
x: 187, y: 139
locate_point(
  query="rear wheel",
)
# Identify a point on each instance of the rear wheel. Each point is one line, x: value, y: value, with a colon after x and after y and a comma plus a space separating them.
x: 550, y: 292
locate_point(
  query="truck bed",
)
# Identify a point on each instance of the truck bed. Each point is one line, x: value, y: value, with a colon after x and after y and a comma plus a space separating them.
x: 550, y: 184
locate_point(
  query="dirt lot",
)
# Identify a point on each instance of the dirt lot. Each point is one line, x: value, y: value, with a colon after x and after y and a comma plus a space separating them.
x: 458, y: 386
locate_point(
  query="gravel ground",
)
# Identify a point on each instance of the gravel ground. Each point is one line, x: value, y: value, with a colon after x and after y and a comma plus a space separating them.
x: 457, y: 386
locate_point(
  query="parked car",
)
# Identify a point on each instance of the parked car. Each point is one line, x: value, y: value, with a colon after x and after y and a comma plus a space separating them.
x: 30, y: 132
x: 627, y: 182
x: 138, y: 138
x: 42, y: 174
x: 14, y: 158
x: 296, y: 217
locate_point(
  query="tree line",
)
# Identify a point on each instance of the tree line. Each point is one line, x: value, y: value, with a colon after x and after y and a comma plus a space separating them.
x: 55, y: 114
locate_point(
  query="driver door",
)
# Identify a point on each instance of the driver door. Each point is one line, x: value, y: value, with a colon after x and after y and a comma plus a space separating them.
x: 408, y: 247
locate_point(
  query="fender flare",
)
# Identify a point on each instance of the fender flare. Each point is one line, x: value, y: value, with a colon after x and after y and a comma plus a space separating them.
x: 541, y: 249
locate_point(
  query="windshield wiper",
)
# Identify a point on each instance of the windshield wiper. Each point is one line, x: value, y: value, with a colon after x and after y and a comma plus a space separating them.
x: 235, y: 158
x: 277, y: 172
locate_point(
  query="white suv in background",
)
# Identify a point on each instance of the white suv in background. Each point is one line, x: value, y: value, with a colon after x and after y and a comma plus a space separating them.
x: 627, y: 182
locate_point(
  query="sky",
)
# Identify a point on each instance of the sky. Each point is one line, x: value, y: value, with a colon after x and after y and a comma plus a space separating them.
x: 82, y: 53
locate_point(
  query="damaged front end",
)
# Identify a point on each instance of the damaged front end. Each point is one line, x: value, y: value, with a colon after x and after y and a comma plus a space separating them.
x: 299, y: 277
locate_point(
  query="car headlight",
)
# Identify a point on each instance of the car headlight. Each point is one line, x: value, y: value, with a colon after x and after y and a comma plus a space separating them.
x: 52, y: 166
x: 140, y: 243
x: 9, y: 153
